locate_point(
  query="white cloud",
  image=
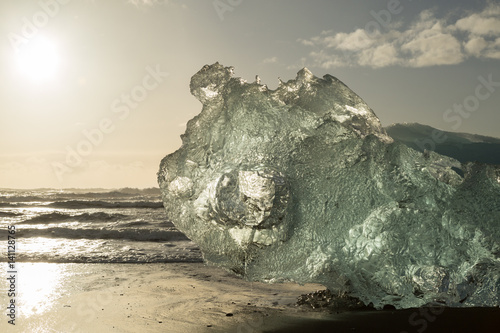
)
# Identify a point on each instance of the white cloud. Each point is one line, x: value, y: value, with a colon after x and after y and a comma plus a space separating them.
x: 484, y: 23
x: 493, y: 51
x: 483, y: 31
x: 476, y: 46
x: 380, y: 56
x: 428, y: 41
x: 433, y: 47
x: 327, y: 60
x: 271, y: 60
x: 355, y: 41
x: 478, y: 25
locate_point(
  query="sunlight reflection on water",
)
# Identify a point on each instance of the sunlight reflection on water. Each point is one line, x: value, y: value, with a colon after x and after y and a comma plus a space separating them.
x: 45, y: 249
x: 39, y: 286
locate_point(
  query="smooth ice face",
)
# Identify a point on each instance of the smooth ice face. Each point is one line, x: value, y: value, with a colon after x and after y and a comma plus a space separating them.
x: 303, y: 184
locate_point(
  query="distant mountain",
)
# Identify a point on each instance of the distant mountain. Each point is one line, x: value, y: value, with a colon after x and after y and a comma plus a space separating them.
x: 461, y: 146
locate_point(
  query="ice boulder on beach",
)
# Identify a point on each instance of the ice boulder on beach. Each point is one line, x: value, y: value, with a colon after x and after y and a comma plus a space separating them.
x: 303, y: 184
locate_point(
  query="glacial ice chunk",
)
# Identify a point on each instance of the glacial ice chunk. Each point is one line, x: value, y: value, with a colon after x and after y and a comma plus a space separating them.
x: 303, y: 184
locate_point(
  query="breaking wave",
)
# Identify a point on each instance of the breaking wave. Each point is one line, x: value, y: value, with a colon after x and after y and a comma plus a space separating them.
x: 93, y: 225
x: 81, y: 204
x: 9, y: 214
x: 131, y: 234
x: 85, y: 217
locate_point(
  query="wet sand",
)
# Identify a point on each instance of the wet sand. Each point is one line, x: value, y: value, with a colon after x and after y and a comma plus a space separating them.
x: 193, y: 297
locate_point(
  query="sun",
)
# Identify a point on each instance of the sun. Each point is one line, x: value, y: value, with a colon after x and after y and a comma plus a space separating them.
x: 38, y: 59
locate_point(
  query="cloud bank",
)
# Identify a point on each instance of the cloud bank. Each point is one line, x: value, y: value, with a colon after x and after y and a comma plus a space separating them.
x: 428, y: 41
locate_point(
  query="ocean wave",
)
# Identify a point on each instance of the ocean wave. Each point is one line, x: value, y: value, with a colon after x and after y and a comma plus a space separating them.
x: 22, y: 198
x: 109, y: 259
x: 128, y: 191
x: 83, y: 204
x: 99, y: 195
x: 22, y: 204
x: 135, y: 224
x: 85, y: 217
x: 44, y: 195
x: 79, y: 204
x: 132, y: 234
x: 9, y: 214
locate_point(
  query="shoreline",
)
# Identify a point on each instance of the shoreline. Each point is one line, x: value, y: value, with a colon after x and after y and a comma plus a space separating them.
x: 194, y: 297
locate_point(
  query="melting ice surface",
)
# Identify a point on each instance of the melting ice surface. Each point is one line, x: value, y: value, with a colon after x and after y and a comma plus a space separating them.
x: 303, y: 184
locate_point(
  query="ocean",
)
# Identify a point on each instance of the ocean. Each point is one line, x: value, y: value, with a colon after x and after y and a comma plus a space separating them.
x: 91, y: 226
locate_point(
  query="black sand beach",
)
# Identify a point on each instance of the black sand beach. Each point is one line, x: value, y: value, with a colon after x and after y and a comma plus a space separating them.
x: 193, y: 297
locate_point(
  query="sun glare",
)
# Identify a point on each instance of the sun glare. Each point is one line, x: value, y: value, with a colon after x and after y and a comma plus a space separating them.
x: 38, y: 59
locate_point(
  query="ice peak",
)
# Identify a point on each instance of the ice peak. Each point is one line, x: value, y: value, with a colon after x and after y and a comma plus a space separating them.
x: 213, y: 83
x: 304, y: 75
x: 209, y: 81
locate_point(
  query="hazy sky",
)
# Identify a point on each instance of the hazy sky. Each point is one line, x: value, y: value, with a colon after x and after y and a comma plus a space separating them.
x: 95, y: 93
